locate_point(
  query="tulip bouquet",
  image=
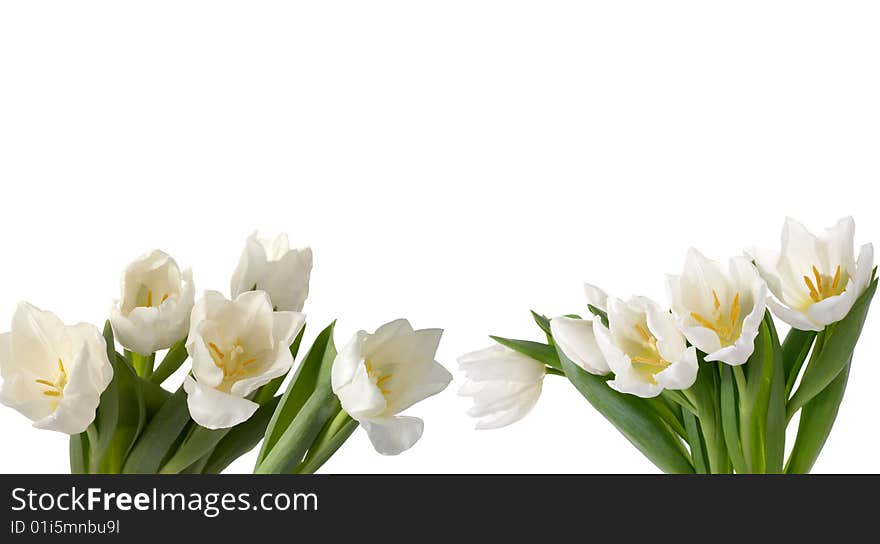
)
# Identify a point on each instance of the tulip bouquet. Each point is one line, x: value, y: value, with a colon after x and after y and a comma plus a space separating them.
x: 74, y: 379
x: 706, y: 385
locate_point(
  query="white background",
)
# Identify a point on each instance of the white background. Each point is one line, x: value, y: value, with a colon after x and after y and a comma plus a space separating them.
x: 454, y: 162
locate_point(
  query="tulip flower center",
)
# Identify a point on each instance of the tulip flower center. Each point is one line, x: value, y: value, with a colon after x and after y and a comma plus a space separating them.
x: 725, y: 324
x: 145, y: 297
x: 378, y: 378
x: 825, y: 285
x: 234, y: 363
x: 648, y: 362
x: 55, y: 388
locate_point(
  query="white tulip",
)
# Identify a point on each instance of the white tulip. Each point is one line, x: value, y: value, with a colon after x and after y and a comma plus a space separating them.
x: 377, y: 376
x: 596, y: 297
x: 644, y: 349
x: 268, y: 264
x: 236, y: 347
x: 52, y: 373
x: 815, y: 279
x: 576, y: 339
x: 154, y: 310
x: 504, y: 385
x: 719, y: 311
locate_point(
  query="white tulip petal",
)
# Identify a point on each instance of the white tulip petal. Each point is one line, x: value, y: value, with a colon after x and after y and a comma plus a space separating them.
x: 268, y: 264
x: 393, y: 435
x: 576, y: 339
x: 499, y: 363
x: 215, y: 409
x: 670, y: 342
x: 347, y: 361
x: 518, y: 407
x: 433, y: 382
x: 681, y: 374
x: 797, y: 320
x: 596, y: 297
x: 361, y: 397
x: 625, y: 382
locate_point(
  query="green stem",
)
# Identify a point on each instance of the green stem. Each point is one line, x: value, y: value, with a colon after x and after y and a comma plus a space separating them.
x: 143, y: 364
x: 681, y: 399
x: 94, y: 461
x: 792, y: 378
x: 553, y: 372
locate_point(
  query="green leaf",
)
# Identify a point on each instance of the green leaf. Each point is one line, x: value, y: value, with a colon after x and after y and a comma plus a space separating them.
x: 304, y: 382
x: 542, y: 322
x: 154, y: 396
x: 634, y: 418
x: 795, y: 349
x: 671, y: 415
x: 729, y: 422
x: 241, y: 439
x: 817, y: 418
x: 267, y: 392
x: 170, y: 363
x: 695, y: 439
x: 121, y: 414
x: 536, y: 350
x: 776, y: 420
x: 78, y: 453
x: 601, y: 314
x: 160, y: 436
x: 287, y: 453
x: 200, y: 442
x: 343, y: 427
x: 840, y: 342
x: 754, y: 401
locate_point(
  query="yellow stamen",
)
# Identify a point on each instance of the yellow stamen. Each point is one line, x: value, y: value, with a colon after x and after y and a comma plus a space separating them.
x: 61, y: 366
x: 45, y: 382
x: 52, y: 393
x: 818, y: 279
x: 643, y: 333
x: 250, y: 361
x: 149, y: 299
x: 836, y: 279
x: 814, y: 294
x: 734, y: 311
x: 369, y: 366
x: 647, y: 361
x: 214, y: 347
x: 703, y: 321
x: 383, y: 379
x: 164, y: 298
x: 717, y: 302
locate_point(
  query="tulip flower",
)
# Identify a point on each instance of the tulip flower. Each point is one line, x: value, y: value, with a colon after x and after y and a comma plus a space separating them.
x: 576, y: 339
x: 236, y: 347
x: 268, y: 264
x: 154, y: 310
x: 53, y: 374
x: 596, y: 297
x: 504, y: 385
x: 719, y: 311
x: 645, y: 349
x: 377, y: 376
x: 815, y: 279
